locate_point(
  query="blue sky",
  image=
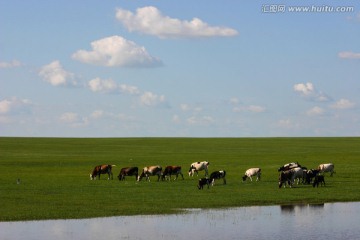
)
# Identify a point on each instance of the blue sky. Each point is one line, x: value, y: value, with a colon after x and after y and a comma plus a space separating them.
x: 174, y: 69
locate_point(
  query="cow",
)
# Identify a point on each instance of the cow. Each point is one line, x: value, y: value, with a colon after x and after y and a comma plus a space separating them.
x: 171, y: 170
x: 198, y: 166
x: 285, y: 177
x: 289, y: 166
x: 217, y: 175
x: 128, y: 171
x: 150, y: 171
x: 319, y: 179
x: 252, y: 172
x: 202, y: 182
x: 310, y: 174
x: 326, y: 167
x: 102, y: 169
x: 298, y: 173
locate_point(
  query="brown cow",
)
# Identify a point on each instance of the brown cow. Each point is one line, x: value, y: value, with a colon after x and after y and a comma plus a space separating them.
x: 171, y: 170
x: 150, y: 171
x: 128, y: 171
x: 102, y: 169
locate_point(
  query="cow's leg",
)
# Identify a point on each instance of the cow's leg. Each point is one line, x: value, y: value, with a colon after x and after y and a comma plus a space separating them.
x: 250, y: 178
x: 224, y: 181
x: 182, y: 176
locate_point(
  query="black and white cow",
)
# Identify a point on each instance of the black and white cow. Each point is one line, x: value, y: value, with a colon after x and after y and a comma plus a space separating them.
x: 310, y: 174
x: 217, y: 175
x: 128, y: 171
x: 289, y: 166
x: 252, y: 172
x: 198, y: 166
x: 202, y: 182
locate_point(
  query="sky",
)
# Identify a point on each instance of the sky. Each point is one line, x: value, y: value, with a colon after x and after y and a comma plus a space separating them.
x: 170, y: 68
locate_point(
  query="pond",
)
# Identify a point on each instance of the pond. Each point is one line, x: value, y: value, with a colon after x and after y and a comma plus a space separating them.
x: 324, y: 221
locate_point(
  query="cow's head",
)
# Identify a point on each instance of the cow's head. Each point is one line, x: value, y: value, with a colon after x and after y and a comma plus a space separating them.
x: 191, y: 171
x: 91, y: 176
x: 244, y: 177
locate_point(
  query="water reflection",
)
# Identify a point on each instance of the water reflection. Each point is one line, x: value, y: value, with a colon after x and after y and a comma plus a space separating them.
x: 326, y: 221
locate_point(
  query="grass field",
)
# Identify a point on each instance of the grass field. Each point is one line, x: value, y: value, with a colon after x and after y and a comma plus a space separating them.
x: 55, y: 184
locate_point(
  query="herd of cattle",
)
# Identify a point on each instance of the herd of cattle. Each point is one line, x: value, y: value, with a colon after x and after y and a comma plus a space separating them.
x: 288, y: 173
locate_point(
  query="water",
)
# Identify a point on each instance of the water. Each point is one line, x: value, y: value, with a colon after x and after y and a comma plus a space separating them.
x: 327, y: 221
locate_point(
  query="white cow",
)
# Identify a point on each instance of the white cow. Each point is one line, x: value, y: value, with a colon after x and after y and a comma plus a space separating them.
x: 198, y: 166
x: 252, y: 172
x: 298, y: 173
x: 326, y: 167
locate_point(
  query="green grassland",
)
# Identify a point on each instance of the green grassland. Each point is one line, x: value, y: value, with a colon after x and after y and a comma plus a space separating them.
x: 55, y: 183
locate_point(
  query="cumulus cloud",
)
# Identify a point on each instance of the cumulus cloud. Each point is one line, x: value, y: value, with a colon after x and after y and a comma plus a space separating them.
x: 110, y: 86
x: 308, y: 91
x: 12, y: 64
x: 343, y: 104
x: 74, y: 119
x: 315, y: 111
x: 349, y: 55
x: 116, y: 51
x: 55, y: 74
x: 150, y: 20
x: 14, y: 105
x: 151, y: 99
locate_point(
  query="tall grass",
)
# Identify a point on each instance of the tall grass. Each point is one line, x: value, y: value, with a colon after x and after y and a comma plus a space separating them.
x: 55, y: 184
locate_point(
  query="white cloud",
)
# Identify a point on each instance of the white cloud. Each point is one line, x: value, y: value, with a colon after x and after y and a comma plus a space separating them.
x: 308, y: 91
x: 14, y: 105
x: 116, y: 51
x: 349, y: 55
x: 97, y: 114
x: 151, y: 99
x: 132, y: 90
x: 315, y: 111
x: 234, y: 101
x: 55, y: 74
x: 12, y: 64
x: 150, y: 20
x: 73, y: 119
x: 251, y: 108
x: 343, y: 104
x: 200, y: 120
x: 103, y: 85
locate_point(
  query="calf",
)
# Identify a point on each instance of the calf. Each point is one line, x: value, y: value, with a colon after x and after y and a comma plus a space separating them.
x: 102, y: 169
x: 319, y: 179
x: 326, y: 167
x: 128, y: 171
x: 217, y: 175
x: 202, y: 182
x: 252, y: 172
x: 172, y: 170
x: 286, y: 177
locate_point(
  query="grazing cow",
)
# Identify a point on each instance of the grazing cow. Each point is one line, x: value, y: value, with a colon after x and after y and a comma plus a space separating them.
x: 319, y: 179
x: 285, y: 177
x: 217, y: 175
x: 202, y: 182
x: 252, y: 172
x: 326, y: 167
x: 172, y: 170
x: 198, y: 166
x: 102, y: 169
x: 310, y: 174
x: 128, y: 171
x: 150, y: 171
x: 298, y: 173
x: 289, y: 166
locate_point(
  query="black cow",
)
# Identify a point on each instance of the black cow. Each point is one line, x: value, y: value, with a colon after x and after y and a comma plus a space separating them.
x: 217, y: 175
x: 202, y: 182
x: 171, y: 170
x: 310, y: 174
x: 128, y: 171
x: 285, y: 177
x: 319, y: 179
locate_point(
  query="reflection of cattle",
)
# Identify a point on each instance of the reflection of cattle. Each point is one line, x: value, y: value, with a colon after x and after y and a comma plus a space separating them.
x: 252, y: 172
x: 310, y: 174
x: 289, y: 166
x: 326, y: 167
x: 217, y: 175
x: 198, y: 166
x: 202, y: 182
x: 101, y: 169
x: 172, y: 170
x: 319, y: 179
x: 128, y: 171
x: 150, y: 171
x: 285, y: 177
